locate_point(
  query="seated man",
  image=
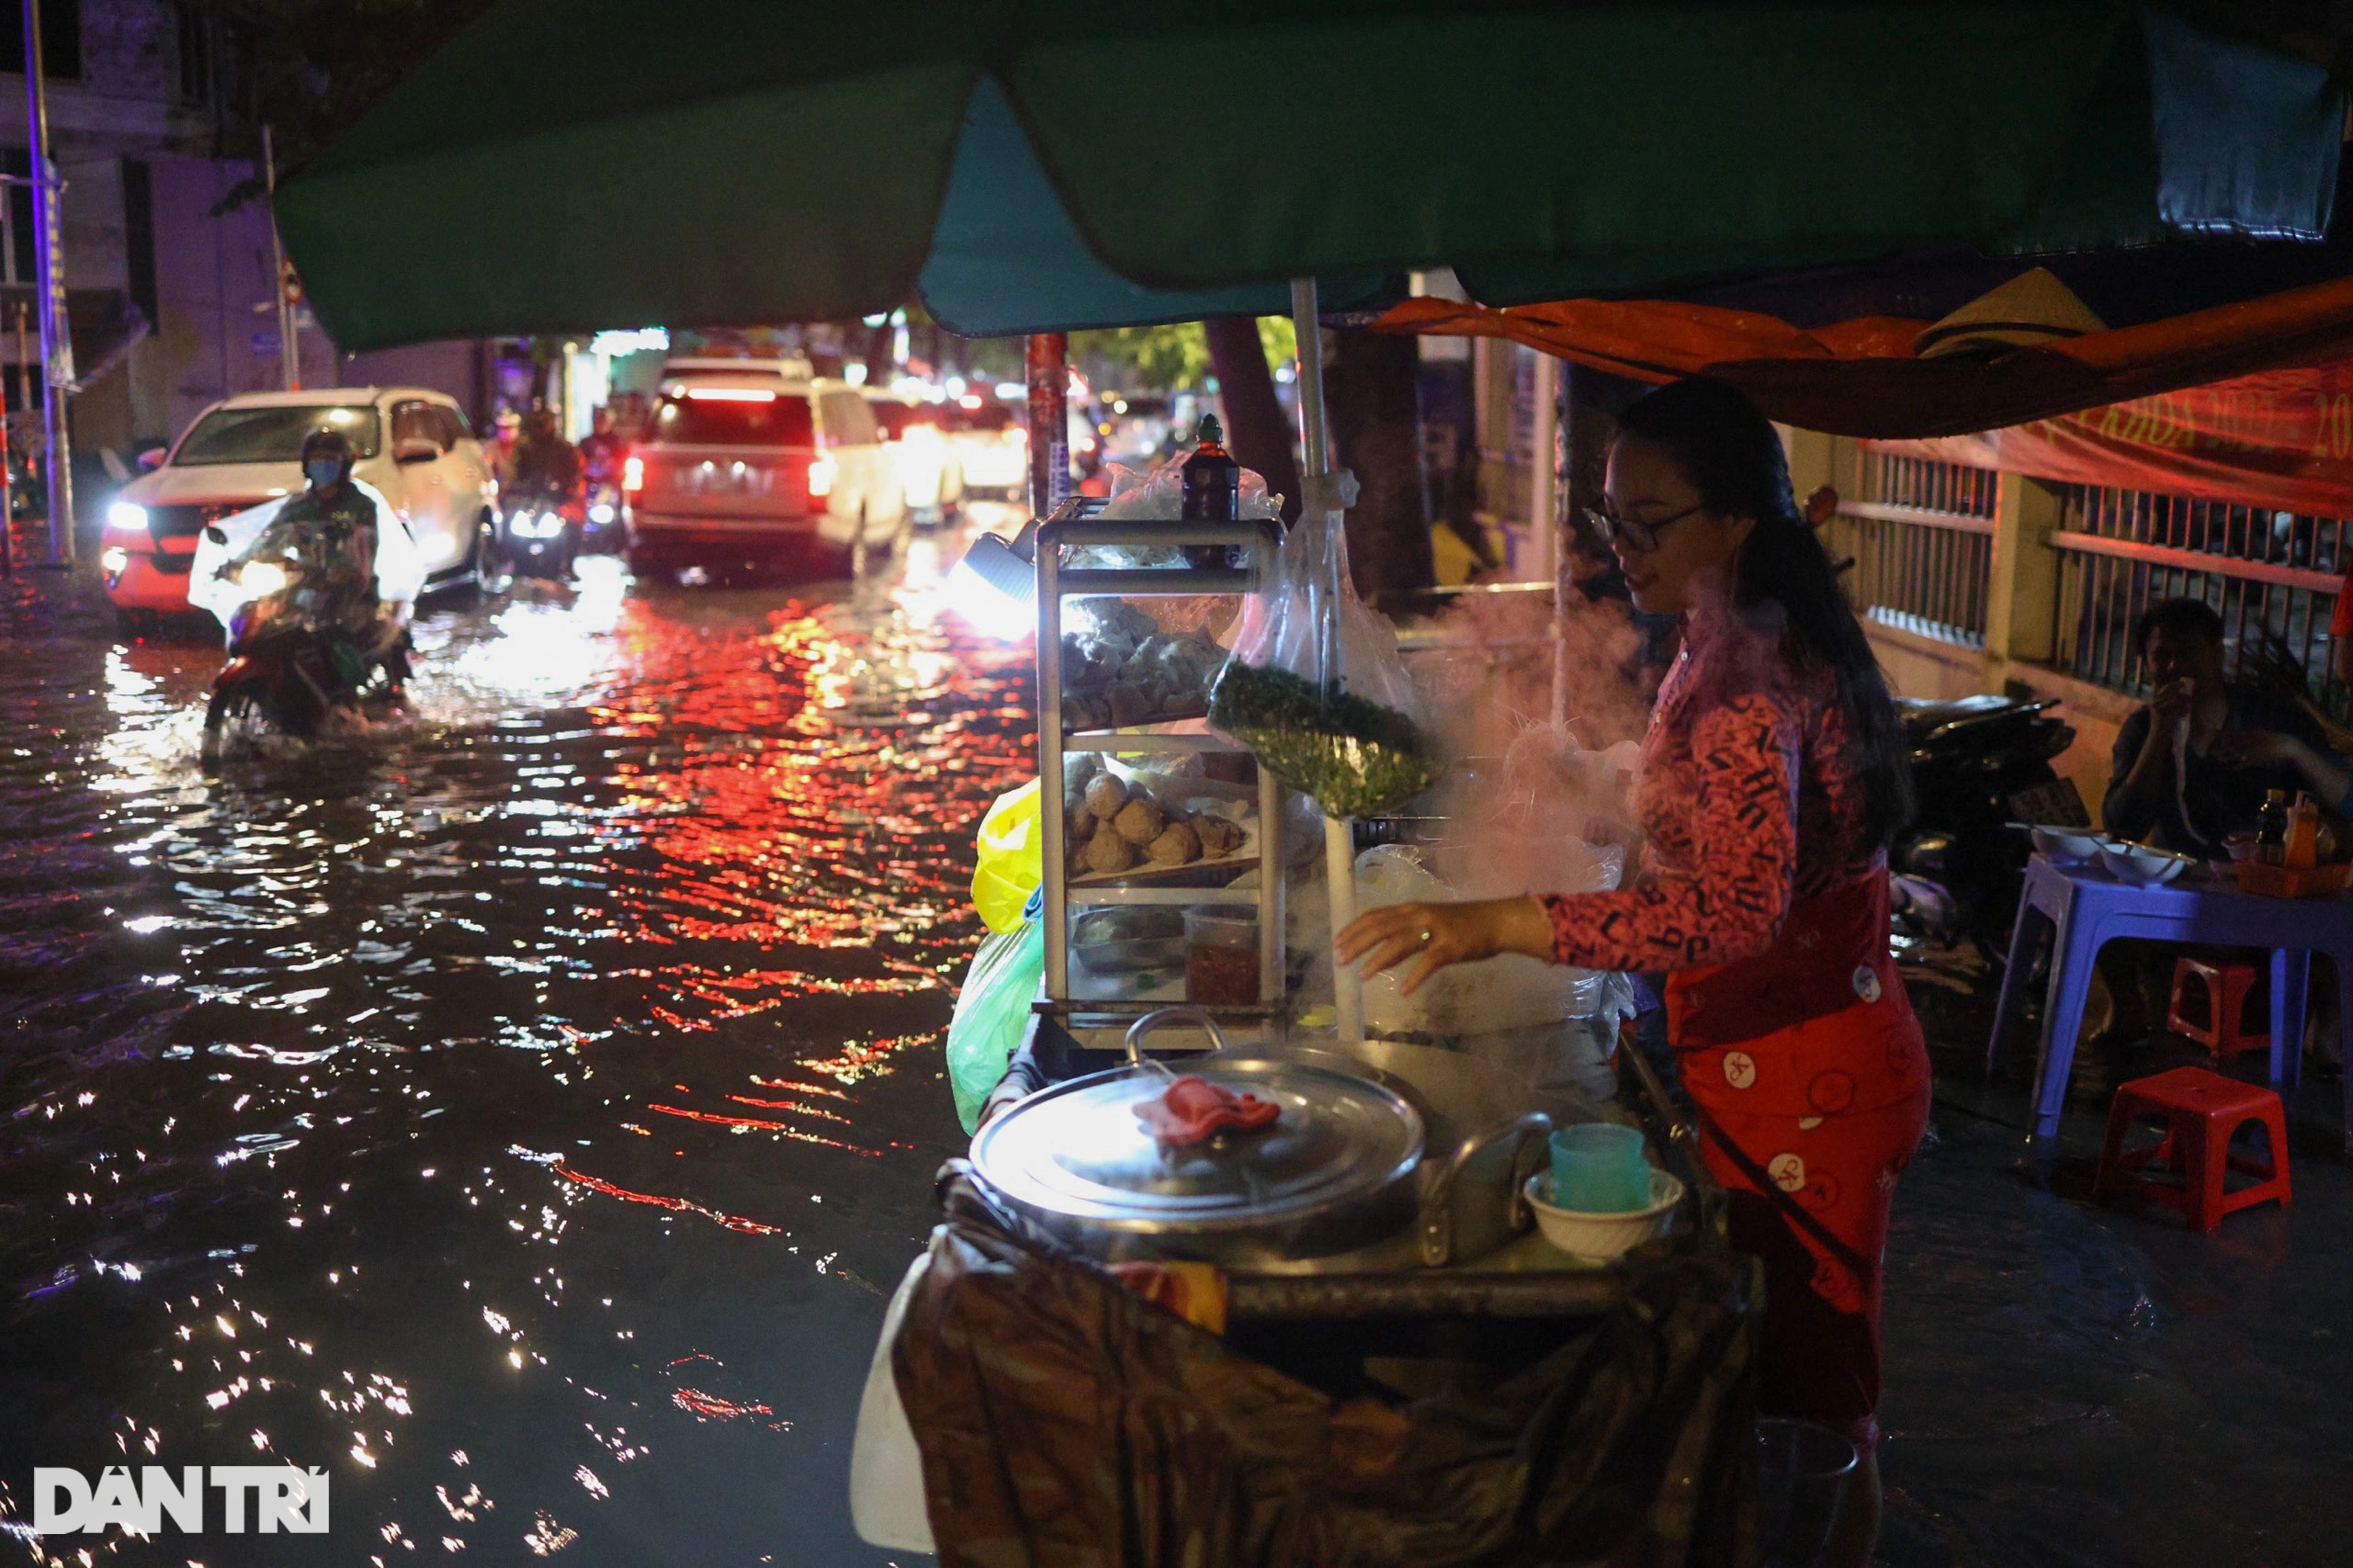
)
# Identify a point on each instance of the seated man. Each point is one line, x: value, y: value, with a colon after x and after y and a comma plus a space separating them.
x: 2234, y: 743
x: 2191, y: 769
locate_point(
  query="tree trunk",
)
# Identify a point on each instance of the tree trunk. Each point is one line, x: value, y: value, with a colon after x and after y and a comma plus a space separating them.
x: 1256, y: 431
x: 1372, y: 401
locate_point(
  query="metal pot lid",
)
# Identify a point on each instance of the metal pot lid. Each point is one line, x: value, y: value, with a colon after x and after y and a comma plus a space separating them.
x: 1077, y: 1151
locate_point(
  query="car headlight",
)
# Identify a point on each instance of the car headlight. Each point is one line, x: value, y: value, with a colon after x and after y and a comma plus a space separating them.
x: 128, y: 515
x: 114, y: 560
x: 261, y: 578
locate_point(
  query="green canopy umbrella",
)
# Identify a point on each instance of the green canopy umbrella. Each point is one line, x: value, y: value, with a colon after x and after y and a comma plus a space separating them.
x: 1034, y: 165
x: 569, y: 164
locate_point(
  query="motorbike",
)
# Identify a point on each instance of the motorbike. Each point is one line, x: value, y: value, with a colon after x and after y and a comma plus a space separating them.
x: 294, y: 663
x: 539, y: 535
x: 1981, y: 766
x: 605, y: 532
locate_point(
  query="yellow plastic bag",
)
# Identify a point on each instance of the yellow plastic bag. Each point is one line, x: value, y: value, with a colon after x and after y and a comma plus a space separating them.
x: 1011, y: 859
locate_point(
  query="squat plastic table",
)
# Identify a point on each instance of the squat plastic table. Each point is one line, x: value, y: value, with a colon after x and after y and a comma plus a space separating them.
x: 2083, y: 907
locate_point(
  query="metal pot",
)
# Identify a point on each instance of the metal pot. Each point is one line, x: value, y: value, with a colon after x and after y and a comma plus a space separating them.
x: 1341, y: 1178
x: 1335, y: 1171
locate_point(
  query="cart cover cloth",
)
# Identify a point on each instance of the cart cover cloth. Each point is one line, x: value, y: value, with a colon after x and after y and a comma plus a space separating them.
x: 564, y: 165
x: 1064, y: 1420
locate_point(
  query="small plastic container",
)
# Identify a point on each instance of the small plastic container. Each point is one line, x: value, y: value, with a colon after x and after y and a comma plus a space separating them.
x: 1603, y: 1238
x: 1599, y: 1168
x: 1221, y: 967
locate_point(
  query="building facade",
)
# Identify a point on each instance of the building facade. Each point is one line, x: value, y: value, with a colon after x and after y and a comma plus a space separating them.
x: 170, y: 271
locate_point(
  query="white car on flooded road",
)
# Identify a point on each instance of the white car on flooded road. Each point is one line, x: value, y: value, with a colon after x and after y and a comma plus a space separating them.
x: 413, y: 445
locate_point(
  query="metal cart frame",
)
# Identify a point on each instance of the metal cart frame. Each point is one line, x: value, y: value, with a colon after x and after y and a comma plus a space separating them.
x: 1075, y: 525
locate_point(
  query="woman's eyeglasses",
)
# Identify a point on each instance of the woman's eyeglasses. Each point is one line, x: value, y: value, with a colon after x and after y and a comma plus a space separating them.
x: 1639, y: 536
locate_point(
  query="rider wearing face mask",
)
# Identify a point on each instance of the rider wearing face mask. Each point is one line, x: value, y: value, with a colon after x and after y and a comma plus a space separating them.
x: 332, y: 525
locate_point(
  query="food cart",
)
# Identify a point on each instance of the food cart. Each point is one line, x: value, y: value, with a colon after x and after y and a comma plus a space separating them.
x: 1370, y: 1259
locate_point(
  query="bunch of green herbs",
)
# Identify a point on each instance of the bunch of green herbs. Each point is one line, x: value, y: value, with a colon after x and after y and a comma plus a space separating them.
x: 1355, y: 757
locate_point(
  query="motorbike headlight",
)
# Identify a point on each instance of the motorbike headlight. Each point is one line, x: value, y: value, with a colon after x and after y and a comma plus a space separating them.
x: 127, y: 516
x: 261, y: 578
x: 114, y: 560
x: 600, y: 513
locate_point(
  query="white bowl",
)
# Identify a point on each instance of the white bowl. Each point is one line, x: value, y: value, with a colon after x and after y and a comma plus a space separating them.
x: 1600, y: 1238
x: 2136, y: 863
x: 2068, y: 844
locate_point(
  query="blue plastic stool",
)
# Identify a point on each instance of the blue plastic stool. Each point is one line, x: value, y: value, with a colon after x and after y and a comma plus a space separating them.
x: 2083, y: 909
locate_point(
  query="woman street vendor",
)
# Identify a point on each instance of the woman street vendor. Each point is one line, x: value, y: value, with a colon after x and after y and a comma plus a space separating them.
x: 1772, y: 783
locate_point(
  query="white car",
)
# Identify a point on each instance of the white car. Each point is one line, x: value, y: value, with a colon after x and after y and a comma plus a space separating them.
x: 412, y: 445
x: 750, y: 460
x: 929, y: 473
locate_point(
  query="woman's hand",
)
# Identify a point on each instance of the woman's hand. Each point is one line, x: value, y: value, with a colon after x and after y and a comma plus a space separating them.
x: 1444, y: 934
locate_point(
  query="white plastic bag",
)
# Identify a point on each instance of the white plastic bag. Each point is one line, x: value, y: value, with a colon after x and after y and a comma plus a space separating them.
x: 1513, y: 991
x: 886, y: 1506
x: 400, y: 567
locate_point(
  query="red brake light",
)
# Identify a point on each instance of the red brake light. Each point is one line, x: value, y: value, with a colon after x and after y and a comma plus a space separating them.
x: 820, y: 477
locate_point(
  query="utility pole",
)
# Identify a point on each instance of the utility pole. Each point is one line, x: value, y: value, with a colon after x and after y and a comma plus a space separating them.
x: 1046, y: 360
x: 289, y: 347
x: 56, y: 334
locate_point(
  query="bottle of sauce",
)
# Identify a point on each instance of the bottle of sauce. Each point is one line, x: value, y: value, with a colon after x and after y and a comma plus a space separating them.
x: 1213, y: 480
x: 2303, y: 834
x: 2271, y: 830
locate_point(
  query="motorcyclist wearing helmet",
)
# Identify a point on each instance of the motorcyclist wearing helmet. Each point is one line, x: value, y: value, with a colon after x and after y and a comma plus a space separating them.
x: 332, y: 527
x: 544, y: 463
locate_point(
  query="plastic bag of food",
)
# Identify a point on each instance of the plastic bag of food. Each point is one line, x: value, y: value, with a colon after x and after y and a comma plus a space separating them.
x: 1314, y: 686
x: 991, y: 1010
x: 1012, y: 861
x: 1511, y: 991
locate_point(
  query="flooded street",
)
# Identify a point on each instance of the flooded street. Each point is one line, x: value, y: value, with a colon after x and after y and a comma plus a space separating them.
x: 523, y: 1115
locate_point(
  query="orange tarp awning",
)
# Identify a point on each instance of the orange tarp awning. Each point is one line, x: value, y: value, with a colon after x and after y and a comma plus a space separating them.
x: 1860, y: 377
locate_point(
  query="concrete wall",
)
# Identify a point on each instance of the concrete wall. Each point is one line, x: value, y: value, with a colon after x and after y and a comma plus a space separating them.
x: 456, y: 368
x: 211, y: 272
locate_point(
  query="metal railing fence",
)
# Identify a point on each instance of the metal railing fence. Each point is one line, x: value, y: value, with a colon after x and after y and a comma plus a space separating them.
x: 1921, y: 535
x: 2272, y: 576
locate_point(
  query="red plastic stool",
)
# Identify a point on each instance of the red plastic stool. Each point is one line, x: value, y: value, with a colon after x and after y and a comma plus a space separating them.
x: 2226, y: 987
x: 2201, y: 1111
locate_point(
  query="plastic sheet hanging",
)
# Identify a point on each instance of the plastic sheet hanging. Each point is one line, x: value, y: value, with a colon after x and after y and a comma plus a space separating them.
x: 992, y: 1009
x: 1314, y: 686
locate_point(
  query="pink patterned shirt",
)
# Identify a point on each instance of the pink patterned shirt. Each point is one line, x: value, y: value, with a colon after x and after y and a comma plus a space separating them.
x: 1750, y: 800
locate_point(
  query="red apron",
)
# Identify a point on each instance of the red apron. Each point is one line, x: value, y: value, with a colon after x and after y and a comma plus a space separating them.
x: 1806, y: 1060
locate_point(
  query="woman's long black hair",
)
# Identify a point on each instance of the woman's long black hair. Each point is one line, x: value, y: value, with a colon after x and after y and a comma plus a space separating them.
x: 1733, y: 457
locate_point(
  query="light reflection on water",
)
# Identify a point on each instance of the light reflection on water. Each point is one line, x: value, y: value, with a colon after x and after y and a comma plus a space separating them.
x: 521, y: 1111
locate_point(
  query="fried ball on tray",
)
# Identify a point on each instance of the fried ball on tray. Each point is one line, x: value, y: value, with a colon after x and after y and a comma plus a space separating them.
x: 1139, y: 821
x: 1175, y: 846
x: 1108, y: 852
x: 1106, y: 795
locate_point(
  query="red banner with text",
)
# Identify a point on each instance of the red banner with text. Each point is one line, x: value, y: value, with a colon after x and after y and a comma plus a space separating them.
x: 2280, y: 438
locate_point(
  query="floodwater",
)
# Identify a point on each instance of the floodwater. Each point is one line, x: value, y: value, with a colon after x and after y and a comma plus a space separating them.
x: 523, y: 1115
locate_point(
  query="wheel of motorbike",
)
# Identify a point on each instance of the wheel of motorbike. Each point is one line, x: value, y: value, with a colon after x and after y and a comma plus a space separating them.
x: 226, y: 715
